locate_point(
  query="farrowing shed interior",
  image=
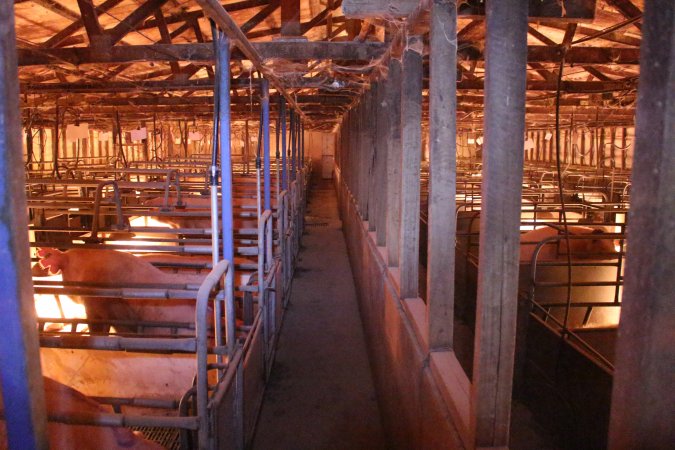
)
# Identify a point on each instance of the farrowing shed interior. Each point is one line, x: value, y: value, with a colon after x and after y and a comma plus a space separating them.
x: 461, y: 212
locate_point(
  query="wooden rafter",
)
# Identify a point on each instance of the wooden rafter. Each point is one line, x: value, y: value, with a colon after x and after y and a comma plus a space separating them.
x: 165, y: 37
x: 129, y: 23
x: 260, y: 16
x: 627, y: 9
x: 77, y: 25
x: 90, y: 20
x: 321, y: 17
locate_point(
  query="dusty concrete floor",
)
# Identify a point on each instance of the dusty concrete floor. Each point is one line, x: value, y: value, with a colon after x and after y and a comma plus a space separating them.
x: 321, y: 393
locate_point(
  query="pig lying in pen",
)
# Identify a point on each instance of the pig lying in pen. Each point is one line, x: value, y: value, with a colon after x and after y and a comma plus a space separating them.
x: 62, y: 400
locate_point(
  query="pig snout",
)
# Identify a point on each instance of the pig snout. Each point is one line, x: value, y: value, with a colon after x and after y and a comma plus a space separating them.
x: 51, y: 259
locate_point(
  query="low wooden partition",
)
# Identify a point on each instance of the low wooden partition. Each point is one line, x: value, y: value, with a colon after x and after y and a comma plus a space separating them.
x: 414, y: 407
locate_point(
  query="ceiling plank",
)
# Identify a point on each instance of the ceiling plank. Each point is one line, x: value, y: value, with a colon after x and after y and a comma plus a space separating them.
x: 58, y: 8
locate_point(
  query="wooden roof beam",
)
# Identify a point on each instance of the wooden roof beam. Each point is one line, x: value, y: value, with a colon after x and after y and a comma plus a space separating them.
x: 294, y: 50
x: 198, y: 14
x: 627, y: 9
x: 260, y: 16
x: 575, y: 10
x: 77, y: 25
x: 129, y: 23
x: 200, y: 52
x: 90, y: 20
x: 321, y: 17
x: 315, y: 82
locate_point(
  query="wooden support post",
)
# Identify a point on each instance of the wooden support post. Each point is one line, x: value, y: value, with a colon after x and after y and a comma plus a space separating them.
x: 366, y: 152
x: 624, y: 149
x: 380, y: 177
x: 355, y: 154
x: 29, y: 146
x: 290, y: 18
x: 372, y: 159
x: 20, y: 374
x: 411, y: 141
x: 582, y: 148
x: 393, y: 143
x: 601, y: 155
x: 506, y: 58
x: 293, y: 148
x: 146, y: 150
x: 442, y: 173
x: 642, y: 402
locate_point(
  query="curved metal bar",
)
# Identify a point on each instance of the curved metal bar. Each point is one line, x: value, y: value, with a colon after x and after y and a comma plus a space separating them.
x: 97, y: 207
x: 222, y: 269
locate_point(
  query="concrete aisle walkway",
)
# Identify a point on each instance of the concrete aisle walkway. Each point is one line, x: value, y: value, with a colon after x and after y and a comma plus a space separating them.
x: 321, y: 393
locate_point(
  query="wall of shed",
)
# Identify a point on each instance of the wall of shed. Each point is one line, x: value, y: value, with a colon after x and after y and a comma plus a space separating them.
x: 414, y: 413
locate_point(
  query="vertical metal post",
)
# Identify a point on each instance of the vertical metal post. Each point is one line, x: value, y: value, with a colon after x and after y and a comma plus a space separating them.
x: 277, y: 132
x: 411, y: 139
x: 284, y: 163
x: 265, y: 95
x: 506, y: 58
x: 223, y: 61
x: 20, y: 374
x: 643, y: 395
x: 442, y: 173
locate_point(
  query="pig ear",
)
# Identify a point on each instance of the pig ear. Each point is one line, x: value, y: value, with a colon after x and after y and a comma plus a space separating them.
x: 45, y: 252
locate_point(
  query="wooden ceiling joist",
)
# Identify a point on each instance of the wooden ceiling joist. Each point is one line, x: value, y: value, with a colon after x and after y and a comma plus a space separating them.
x: 564, y: 10
x: 200, y: 52
x: 305, y: 82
